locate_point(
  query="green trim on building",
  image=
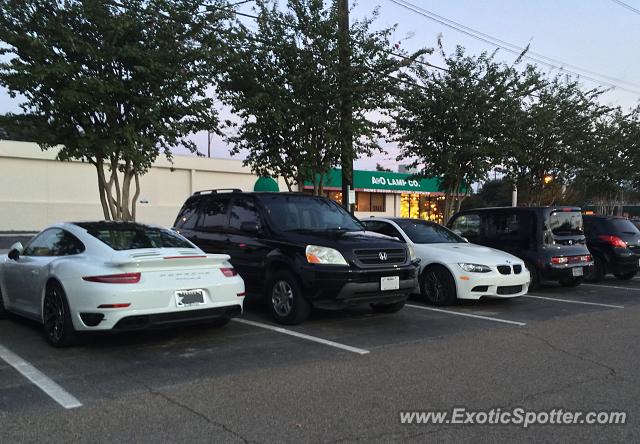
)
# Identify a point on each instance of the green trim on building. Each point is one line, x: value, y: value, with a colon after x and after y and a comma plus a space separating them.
x: 381, y: 181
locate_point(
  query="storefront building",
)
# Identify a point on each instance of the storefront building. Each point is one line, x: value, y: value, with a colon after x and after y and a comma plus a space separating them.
x: 381, y: 193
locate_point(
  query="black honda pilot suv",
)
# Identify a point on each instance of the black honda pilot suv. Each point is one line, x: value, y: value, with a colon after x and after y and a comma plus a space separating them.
x: 300, y: 251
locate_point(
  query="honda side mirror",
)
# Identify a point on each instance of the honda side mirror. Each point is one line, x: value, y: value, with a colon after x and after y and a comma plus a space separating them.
x: 250, y: 227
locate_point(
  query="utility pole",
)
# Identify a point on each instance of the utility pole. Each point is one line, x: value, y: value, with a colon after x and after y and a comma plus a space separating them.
x: 346, y: 101
x: 208, y: 143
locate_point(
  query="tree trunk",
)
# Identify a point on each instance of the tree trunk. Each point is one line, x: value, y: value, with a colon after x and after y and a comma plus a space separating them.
x: 116, y: 200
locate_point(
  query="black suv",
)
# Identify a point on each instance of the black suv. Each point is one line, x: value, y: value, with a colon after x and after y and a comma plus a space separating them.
x: 300, y: 251
x: 614, y: 243
x: 549, y: 239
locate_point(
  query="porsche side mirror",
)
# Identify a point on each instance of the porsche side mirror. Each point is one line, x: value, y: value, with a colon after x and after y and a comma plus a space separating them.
x: 15, y: 251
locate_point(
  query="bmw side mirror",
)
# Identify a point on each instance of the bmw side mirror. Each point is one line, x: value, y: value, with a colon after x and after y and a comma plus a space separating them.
x: 15, y: 251
x: 250, y: 227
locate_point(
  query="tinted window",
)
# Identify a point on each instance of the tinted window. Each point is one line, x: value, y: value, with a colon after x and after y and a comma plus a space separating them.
x: 624, y: 226
x: 135, y: 236
x: 383, y: 228
x: 302, y: 213
x: 189, y: 214
x: 423, y: 232
x: 243, y: 209
x: 565, y: 223
x: 467, y: 225
x: 590, y: 226
x: 504, y: 226
x: 54, y: 242
x: 214, y: 214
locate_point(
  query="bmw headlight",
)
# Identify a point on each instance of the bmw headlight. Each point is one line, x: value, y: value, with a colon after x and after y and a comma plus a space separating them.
x: 475, y: 268
x: 324, y: 255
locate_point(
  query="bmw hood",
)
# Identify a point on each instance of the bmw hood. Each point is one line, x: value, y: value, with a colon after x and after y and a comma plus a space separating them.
x: 467, y: 253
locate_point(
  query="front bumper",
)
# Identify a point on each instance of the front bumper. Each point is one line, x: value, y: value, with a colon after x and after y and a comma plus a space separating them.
x: 337, y: 287
x: 493, y: 284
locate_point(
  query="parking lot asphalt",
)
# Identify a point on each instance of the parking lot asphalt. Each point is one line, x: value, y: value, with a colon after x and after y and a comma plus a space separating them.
x: 340, y: 377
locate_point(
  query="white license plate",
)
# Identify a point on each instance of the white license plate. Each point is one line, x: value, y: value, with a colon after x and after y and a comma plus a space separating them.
x: 187, y: 298
x: 390, y: 283
x: 577, y: 271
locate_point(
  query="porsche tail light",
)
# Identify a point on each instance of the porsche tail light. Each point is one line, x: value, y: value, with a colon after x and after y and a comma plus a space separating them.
x: 122, y: 278
x: 229, y: 272
x: 614, y: 241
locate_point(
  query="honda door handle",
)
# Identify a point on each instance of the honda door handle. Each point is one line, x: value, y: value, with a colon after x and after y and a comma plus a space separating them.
x: 35, y: 272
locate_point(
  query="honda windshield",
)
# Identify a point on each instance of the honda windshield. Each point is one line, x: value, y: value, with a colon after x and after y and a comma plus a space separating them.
x: 307, y: 213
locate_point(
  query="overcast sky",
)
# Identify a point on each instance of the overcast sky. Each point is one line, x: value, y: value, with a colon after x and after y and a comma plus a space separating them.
x: 601, y: 37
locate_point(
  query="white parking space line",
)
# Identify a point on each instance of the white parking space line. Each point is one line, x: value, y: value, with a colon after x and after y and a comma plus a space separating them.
x: 284, y: 331
x: 568, y: 301
x: 39, y: 379
x: 611, y: 286
x: 486, y: 318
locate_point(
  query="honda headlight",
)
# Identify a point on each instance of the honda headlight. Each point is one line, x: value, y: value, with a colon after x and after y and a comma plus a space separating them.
x: 324, y: 255
x: 475, y: 268
x: 412, y: 253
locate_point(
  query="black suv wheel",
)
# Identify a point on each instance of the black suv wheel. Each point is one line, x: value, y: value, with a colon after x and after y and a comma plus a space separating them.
x: 286, y: 300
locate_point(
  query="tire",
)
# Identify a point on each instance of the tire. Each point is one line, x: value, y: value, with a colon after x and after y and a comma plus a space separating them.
x: 4, y: 314
x: 56, y: 317
x: 598, y: 270
x: 535, y: 276
x: 286, y: 299
x: 570, y: 282
x: 437, y: 286
x: 625, y: 276
x: 394, y: 307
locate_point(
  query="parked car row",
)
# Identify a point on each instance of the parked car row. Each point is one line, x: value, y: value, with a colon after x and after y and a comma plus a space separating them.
x: 297, y: 252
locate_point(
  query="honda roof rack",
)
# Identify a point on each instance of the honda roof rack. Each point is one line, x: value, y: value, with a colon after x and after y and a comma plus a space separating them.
x: 228, y: 190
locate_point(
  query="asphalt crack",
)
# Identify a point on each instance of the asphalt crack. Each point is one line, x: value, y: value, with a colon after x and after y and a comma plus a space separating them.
x: 197, y: 413
x: 611, y: 370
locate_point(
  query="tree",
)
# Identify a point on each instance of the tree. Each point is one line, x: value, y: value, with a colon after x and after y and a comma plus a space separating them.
x: 450, y: 124
x: 116, y: 83
x: 282, y: 83
x: 382, y: 168
x: 550, y: 134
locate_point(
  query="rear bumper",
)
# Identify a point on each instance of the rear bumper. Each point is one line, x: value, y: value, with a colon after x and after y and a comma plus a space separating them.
x: 619, y: 264
x: 553, y: 273
x: 167, y: 320
x: 337, y: 288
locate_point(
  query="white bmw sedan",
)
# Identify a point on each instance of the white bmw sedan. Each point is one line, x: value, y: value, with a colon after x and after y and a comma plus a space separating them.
x: 451, y: 268
x: 92, y: 276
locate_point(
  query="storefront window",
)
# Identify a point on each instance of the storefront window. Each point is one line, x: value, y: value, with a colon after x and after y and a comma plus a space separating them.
x: 422, y: 206
x: 370, y: 202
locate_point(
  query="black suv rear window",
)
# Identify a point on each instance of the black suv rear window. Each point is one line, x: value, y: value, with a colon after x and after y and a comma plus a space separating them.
x: 129, y: 236
x: 566, y: 223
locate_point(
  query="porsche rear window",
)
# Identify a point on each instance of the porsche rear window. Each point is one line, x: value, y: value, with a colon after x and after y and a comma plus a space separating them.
x: 133, y: 236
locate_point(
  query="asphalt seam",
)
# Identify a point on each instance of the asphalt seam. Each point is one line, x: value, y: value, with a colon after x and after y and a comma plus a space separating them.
x: 196, y: 412
x: 612, y: 371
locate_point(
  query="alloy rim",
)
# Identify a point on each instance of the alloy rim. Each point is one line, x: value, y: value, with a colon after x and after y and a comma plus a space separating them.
x: 53, y: 315
x: 435, y: 286
x: 282, y: 298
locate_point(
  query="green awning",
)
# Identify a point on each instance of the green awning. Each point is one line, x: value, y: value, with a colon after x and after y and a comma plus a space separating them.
x: 266, y: 184
x: 381, y: 181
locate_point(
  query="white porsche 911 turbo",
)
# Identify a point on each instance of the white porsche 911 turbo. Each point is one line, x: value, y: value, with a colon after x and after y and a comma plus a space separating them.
x: 450, y: 267
x: 95, y: 276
